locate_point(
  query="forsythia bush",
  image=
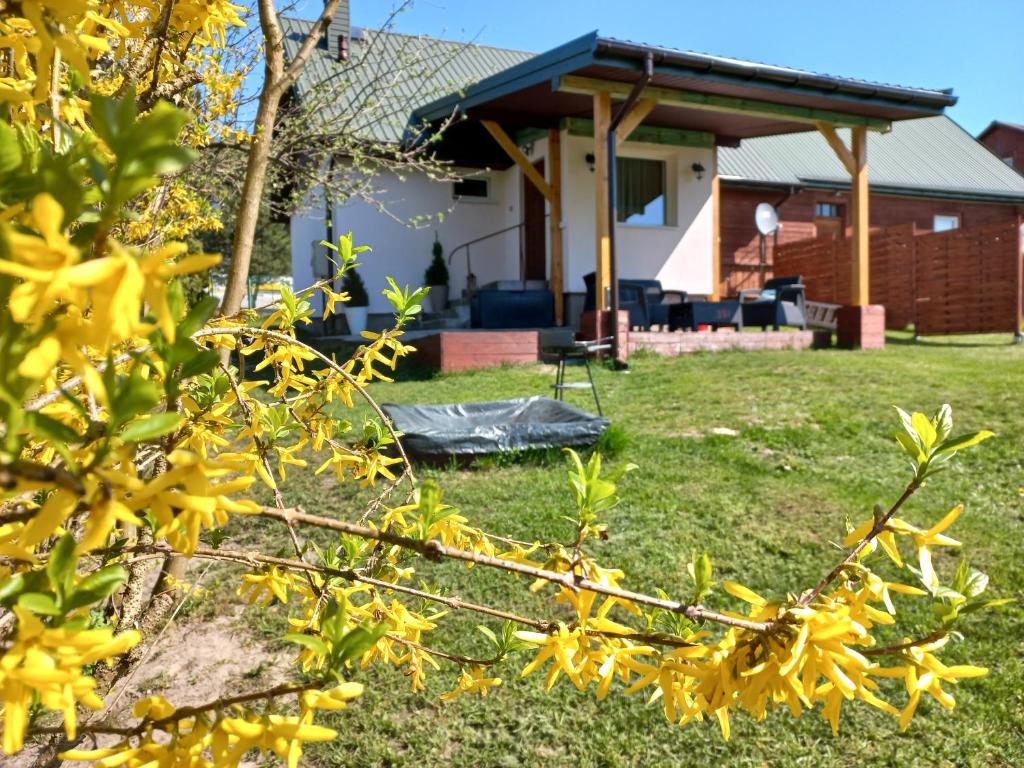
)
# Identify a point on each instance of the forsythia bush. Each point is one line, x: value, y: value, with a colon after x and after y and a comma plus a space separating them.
x: 124, y: 440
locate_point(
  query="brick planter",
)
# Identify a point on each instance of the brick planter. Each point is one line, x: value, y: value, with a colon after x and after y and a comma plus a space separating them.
x: 861, y: 327
x: 598, y: 325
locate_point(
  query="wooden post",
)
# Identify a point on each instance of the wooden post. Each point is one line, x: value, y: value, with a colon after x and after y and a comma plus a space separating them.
x: 855, y: 159
x: 555, y: 222
x: 716, y: 230
x: 860, y: 286
x: 602, y: 121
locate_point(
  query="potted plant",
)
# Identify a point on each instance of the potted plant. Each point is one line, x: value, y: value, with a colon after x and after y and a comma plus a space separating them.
x: 356, y: 306
x: 437, y: 279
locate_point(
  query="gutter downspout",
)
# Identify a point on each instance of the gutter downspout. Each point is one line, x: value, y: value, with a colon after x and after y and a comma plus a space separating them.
x: 622, y: 111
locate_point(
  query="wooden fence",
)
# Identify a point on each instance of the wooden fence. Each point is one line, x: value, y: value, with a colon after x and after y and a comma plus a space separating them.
x: 960, y: 281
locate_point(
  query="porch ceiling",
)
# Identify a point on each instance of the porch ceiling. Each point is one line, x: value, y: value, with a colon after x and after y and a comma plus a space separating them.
x: 732, y: 99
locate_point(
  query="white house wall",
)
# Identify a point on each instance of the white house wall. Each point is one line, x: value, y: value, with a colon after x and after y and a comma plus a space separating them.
x: 678, y: 255
x: 404, y: 252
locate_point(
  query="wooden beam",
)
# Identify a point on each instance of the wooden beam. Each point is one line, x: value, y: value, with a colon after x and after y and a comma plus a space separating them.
x: 860, y: 219
x: 845, y: 155
x: 516, y: 154
x: 649, y: 134
x: 632, y: 120
x: 555, y: 222
x: 602, y: 120
x: 716, y: 103
x: 716, y: 230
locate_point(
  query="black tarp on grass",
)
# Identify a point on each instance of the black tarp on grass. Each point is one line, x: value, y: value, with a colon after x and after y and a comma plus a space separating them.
x: 437, y: 432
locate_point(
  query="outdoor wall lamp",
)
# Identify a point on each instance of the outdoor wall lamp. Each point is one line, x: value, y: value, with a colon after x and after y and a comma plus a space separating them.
x: 698, y: 169
x: 591, y: 160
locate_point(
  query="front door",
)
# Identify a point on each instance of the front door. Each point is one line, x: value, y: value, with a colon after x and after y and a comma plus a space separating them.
x: 534, y: 240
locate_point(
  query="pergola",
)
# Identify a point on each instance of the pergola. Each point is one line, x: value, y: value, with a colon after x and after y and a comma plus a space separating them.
x: 614, y: 89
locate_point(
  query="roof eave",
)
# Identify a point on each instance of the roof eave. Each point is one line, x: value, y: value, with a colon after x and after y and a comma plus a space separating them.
x: 666, y: 59
x: 897, y: 190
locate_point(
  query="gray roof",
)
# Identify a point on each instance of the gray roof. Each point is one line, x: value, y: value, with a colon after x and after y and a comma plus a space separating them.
x: 388, y: 75
x: 930, y: 156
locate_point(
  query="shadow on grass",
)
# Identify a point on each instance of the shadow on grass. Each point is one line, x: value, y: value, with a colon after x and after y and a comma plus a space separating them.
x: 967, y: 341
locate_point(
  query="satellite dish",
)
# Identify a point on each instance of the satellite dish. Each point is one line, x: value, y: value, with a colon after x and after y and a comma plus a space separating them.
x: 766, y: 218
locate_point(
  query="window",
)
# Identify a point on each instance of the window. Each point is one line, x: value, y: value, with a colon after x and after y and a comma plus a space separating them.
x: 1008, y: 160
x: 827, y: 211
x: 640, y: 192
x: 476, y: 188
x: 945, y: 223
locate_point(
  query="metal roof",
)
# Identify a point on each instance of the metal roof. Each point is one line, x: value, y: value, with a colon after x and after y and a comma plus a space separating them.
x: 388, y: 74
x: 931, y: 157
x: 609, y: 59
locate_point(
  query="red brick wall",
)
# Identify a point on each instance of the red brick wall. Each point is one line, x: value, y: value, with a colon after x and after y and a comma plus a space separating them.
x: 740, y: 239
x: 1006, y: 142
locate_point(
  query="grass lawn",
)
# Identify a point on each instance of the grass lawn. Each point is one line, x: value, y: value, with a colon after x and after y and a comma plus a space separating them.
x: 813, y: 446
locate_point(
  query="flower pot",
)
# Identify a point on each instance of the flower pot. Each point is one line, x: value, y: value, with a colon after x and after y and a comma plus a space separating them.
x: 438, y: 298
x: 356, y: 319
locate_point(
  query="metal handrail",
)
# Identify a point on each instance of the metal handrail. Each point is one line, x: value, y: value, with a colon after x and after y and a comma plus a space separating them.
x: 488, y: 236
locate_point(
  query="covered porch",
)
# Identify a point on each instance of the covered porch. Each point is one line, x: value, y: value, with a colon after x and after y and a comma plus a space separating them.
x: 615, y: 148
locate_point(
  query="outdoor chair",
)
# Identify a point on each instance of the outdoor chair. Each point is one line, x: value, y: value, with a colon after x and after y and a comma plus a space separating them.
x: 782, y: 301
x: 645, y: 300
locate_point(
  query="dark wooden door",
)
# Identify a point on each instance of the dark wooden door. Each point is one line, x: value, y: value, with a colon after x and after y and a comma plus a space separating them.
x: 534, y: 246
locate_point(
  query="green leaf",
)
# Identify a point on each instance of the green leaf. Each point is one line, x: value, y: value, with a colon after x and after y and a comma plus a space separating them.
x: 908, y: 426
x: 315, y: 644
x: 358, y: 641
x: 489, y: 634
x: 332, y: 622
x: 197, y: 316
x: 10, y: 588
x: 37, y: 602
x: 60, y: 566
x: 133, y: 396
x: 96, y: 586
x: 924, y: 429
x: 151, y: 427
x: 910, y: 447
x: 46, y: 426
x: 203, y: 361
x: 943, y: 422
x: 10, y: 150
x: 964, y: 441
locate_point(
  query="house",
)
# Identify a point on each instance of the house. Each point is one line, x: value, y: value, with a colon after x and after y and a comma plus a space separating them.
x: 927, y: 172
x: 599, y: 156
x: 1006, y: 140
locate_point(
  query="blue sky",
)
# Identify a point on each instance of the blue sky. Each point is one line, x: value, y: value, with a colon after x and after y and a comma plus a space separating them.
x: 973, y: 46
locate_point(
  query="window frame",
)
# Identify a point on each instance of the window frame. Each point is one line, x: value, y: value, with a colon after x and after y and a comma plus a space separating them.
x: 668, y: 198
x: 819, y: 204
x: 488, y: 198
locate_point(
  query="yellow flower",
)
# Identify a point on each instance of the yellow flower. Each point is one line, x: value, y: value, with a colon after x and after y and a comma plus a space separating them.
x: 47, y: 662
x: 472, y: 681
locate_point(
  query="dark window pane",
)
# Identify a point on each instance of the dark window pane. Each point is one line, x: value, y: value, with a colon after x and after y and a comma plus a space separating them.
x: 470, y: 188
x: 640, y: 192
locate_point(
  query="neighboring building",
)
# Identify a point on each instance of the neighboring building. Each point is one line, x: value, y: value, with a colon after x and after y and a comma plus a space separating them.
x: 525, y: 142
x: 927, y: 172
x: 1006, y: 140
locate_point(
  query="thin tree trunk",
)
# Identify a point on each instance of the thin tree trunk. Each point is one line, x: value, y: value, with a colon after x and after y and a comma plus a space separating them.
x: 276, y: 81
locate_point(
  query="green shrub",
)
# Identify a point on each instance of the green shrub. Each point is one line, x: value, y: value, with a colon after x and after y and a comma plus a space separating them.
x: 437, y: 272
